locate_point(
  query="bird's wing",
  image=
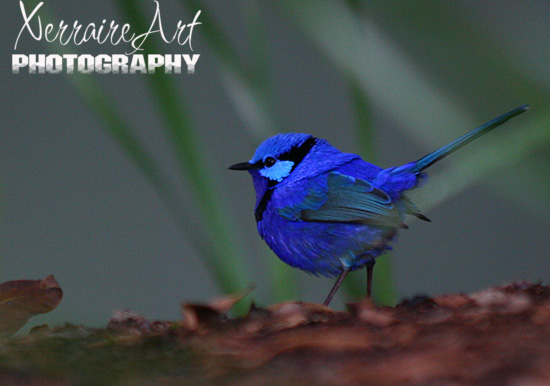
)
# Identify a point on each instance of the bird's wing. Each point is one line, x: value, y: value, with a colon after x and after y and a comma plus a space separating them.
x: 345, y: 199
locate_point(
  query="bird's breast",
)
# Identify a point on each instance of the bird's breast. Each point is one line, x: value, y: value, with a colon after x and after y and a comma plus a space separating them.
x: 321, y: 248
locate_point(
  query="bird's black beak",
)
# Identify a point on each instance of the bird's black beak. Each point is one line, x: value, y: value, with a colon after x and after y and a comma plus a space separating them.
x: 242, y: 166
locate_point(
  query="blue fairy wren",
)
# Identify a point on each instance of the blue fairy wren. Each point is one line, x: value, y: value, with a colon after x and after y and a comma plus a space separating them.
x: 328, y: 212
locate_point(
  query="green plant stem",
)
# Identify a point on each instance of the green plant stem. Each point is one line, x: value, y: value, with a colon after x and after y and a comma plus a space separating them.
x: 226, y: 263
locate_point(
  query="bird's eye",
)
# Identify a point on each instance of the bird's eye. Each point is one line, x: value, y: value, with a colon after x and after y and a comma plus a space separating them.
x: 269, y: 162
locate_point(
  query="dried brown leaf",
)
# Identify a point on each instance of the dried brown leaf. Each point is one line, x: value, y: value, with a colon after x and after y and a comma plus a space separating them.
x: 224, y: 303
x: 197, y: 316
x: 23, y: 299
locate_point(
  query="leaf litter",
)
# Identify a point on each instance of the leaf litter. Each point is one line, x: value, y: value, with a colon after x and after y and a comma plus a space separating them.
x: 499, y: 336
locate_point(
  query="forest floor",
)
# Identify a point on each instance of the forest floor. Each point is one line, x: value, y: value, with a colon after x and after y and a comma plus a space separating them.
x: 500, y: 336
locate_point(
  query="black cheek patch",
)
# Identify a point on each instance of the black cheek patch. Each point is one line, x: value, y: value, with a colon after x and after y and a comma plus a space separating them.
x: 296, y: 155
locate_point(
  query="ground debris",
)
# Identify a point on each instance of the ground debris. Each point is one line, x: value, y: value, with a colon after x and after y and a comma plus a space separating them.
x: 499, y: 336
x: 22, y: 299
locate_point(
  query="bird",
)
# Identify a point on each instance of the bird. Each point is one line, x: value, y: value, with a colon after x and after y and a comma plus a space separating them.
x: 328, y: 212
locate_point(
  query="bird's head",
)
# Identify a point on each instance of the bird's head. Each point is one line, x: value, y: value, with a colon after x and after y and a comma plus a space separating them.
x: 277, y: 157
x: 287, y: 158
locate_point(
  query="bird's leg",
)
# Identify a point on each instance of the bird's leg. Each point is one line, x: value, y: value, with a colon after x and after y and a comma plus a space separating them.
x: 336, y: 286
x: 370, y: 270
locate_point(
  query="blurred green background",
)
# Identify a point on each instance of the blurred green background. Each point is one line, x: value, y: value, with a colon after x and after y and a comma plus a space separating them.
x: 118, y: 184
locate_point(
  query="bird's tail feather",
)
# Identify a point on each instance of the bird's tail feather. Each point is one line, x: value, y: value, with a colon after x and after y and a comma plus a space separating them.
x: 430, y: 159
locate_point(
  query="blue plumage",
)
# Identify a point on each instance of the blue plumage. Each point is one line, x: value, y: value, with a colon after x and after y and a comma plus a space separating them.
x: 328, y: 212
